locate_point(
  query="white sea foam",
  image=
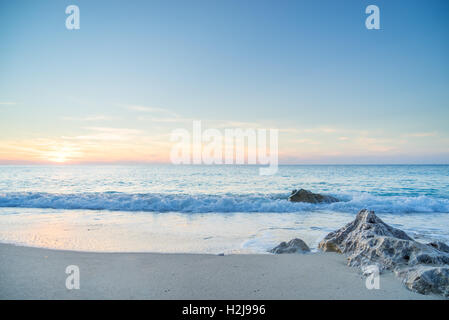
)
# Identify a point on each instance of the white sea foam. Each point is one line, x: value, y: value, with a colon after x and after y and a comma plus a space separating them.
x: 202, y: 203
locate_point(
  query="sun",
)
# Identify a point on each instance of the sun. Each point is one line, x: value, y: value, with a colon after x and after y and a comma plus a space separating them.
x: 58, y: 157
x: 60, y: 154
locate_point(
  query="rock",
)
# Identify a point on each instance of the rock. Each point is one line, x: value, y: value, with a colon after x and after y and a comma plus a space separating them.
x: 330, y: 246
x: 440, y: 246
x: 293, y: 246
x: 302, y: 195
x: 354, y: 237
x: 368, y: 240
x: 426, y: 279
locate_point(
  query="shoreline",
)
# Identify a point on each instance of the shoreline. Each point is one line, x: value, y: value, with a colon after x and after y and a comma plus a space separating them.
x: 212, y: 233
x: 39, y: 273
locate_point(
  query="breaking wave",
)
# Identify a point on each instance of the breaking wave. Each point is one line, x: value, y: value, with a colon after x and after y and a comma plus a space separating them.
x: 202, y: 203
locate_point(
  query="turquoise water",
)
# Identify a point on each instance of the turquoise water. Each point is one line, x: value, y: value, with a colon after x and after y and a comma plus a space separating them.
x: 211, y: 208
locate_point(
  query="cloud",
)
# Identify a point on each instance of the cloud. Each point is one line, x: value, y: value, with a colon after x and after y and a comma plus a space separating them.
x: 41, y: 149
x: 108, y: 134
x: 7, y: 103
x: 89, y: 118
x: 376, y: 145
x: 240, y: 124
x: 124, y: 131
x: 164, y: 120
x: 421, y: 134
x: 154, y: 110
x: 311, y: 130
x: 307, y: 141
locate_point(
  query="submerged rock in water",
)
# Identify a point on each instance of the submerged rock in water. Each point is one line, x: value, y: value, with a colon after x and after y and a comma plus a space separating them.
x: 303, y: 195
x: 368, y: 240
x: 293, y: 246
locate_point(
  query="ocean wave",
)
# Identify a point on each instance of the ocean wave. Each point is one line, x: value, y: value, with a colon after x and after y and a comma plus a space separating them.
x: 202, y: 203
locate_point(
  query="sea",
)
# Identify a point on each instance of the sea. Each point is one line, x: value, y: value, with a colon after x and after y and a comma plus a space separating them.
x: 214, y: 209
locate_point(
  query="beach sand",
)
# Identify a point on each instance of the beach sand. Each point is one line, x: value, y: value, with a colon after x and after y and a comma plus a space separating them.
x: 36, y: 273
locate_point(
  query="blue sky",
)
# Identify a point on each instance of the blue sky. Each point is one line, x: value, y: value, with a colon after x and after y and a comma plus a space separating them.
x: 137, y: 69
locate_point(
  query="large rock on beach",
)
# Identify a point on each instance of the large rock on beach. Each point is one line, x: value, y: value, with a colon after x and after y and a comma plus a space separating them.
x: 440, y: 246
x: 369, y: 241
x: 293, y: 246
x: 303, y: 195
x: 426, y: 279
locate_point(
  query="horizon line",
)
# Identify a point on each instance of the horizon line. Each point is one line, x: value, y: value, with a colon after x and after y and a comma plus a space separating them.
x: 215, y: 165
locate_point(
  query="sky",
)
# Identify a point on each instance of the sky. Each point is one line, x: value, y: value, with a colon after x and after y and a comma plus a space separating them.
x: 114, y: 90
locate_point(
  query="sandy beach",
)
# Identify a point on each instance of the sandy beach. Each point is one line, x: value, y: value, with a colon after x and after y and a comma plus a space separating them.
x: 36, y: 273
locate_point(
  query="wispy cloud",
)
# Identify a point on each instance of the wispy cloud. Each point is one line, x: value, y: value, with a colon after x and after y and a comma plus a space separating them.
x: 421, y: 134
x: 164, y: 119
x: 240, y: 124
x: 370, y: 144
x: 108, y: 134
x: 7, y: 103
x: 41, y: 149
x: 307, y: 141
x: 153, y: 110
x: 310, y: 130
x: 89, y: 118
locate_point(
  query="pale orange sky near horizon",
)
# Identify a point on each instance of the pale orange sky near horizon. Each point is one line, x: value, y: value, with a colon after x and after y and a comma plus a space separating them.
x: 127, y: 145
